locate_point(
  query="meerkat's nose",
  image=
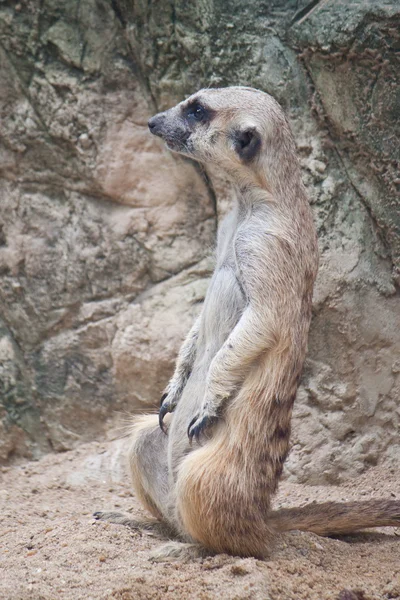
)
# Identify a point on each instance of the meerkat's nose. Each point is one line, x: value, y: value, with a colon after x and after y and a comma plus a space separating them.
x: 152, y: 123
x: 155, y: 124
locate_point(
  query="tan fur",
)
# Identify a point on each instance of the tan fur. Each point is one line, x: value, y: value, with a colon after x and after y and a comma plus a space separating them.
x: 239, y: 368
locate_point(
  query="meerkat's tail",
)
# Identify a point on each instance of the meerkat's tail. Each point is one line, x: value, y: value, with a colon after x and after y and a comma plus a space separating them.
x: 338, y: 518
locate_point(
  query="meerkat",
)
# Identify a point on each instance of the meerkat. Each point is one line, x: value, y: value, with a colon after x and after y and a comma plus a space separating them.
x: 210, y: 475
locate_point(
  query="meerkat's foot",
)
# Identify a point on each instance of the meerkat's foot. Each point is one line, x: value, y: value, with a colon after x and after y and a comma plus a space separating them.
x: 182, y: 551
x: 138, y: 525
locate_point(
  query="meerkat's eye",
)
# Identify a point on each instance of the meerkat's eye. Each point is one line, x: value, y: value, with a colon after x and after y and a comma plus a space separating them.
x: 196, y: 112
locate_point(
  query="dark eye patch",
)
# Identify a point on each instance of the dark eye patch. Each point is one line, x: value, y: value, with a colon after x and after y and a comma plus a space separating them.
x: 197, y: 113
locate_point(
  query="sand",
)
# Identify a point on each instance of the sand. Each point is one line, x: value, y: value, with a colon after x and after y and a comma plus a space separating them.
x: 52, y: 548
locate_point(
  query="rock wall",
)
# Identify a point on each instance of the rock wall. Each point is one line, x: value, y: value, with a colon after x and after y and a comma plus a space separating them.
x: 106, y: 238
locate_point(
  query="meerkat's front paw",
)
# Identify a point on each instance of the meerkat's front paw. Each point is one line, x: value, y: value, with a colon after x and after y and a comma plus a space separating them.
x: 167, y: 405
x: 201, y: 423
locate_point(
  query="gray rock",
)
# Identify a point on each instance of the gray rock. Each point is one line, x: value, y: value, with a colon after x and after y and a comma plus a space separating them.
x: 105, y: 237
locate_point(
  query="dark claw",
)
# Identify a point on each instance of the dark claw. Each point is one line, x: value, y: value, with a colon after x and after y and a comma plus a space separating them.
x: 190, y: 433
x: 163, y: 398
x: 164, y: 409
x: 204, y: 424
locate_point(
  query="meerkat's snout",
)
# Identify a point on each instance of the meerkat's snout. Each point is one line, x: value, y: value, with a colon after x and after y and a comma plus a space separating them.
x: 171, y: 128
x: 155, y: 123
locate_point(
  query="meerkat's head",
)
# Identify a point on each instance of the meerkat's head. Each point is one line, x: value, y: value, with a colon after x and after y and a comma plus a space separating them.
x: 238, y: 129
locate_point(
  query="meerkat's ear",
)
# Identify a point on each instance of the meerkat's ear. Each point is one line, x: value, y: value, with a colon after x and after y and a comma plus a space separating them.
x: 247, y: 142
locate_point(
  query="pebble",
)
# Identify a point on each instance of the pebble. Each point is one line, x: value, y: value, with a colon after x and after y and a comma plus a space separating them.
x: 85, y: 141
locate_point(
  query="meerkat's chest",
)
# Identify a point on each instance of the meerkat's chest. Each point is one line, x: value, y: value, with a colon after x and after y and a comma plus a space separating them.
x: 225, y: 299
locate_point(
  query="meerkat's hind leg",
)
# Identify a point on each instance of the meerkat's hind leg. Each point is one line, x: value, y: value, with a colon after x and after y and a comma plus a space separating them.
x: 182, y: 551
x: 145, y: 524
x: 171, y: 551
x: 149, y: 470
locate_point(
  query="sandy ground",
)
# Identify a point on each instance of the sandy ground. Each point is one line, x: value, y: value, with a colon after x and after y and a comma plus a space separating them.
x: 52, y: 548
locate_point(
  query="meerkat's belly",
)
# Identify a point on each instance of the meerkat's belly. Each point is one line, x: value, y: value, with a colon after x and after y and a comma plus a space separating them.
x: 223, y: 307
